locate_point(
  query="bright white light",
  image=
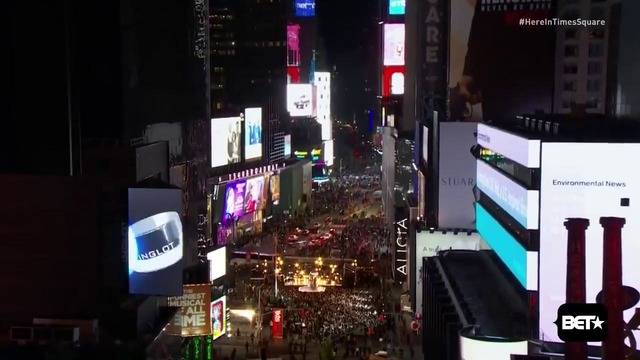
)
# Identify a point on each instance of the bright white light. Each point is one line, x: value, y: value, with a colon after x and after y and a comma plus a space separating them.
x: 245, y: 313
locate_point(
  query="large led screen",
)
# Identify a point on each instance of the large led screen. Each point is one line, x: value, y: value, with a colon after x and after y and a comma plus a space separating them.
x: 580, y: 180
x: 226, y: 137
x: 392, y: 80
x: 274, y: 188
x: 217, y: 263
x: 305, y: 8
x: 234, y: 199
x: 475, y: 349
x: 192, y: 319
x: 393, y: 45
x: 396, y: 7
x: 252, y: 133
x: 524, y: 151
x: 300, y: 99
x: 219, y: 317
x: 287, y: 146
x: 155, y: 241
x: 328, y: 153
x: 253, y: 194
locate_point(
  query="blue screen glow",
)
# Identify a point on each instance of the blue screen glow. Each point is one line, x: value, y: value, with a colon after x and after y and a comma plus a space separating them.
x: 306, y: 8
x: 396, y: 7
x: 506, y: 246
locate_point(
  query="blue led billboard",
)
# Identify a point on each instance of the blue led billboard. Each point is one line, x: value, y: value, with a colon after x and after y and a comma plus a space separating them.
x: 396, y: 7
x: 508, y: 249
x: 306, y: 8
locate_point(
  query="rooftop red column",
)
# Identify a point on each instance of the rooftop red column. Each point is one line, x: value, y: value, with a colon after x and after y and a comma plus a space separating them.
x: 613, y: 346
x: 576, y: 277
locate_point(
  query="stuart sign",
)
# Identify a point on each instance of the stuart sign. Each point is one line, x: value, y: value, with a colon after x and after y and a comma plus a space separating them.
x: 400, y: 249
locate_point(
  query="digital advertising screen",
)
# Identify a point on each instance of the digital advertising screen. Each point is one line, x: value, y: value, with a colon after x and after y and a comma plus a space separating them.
x: 217, y: 263
x: 476, y: 349
x: 287, y: 146
x: 218, y: 317
x: 300, y: 100
x: 226, y: 137
x: 265, y: 190
x: 516, y: 148
x: 274, y: 188
x: 393, y: 45
x: 589, y: 181
x: 253, y: 194
x: 234, y: 199
x: 155, y: 241
x: 252, y: 133
x: 328, y: 152
x: 396, y: 7
x: 392, y: 80
x: 193, y: 318
x: 305, y: 8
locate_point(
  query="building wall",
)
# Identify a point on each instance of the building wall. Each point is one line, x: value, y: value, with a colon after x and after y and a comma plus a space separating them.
x: 628, y: 97
x: 152, y: 160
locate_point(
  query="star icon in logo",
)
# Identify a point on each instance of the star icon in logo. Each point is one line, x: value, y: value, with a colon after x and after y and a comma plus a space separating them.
x: 597, y: 323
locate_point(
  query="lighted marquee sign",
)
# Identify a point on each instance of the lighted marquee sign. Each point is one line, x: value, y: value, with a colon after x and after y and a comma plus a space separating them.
x: 519, y: 149
x: 396, y: 7
x: 517, y: 201
x: 401, y: 236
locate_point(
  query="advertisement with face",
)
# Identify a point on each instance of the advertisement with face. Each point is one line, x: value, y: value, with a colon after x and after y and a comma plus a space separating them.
x: 274, y: 187
x: 393, y: 45
x: 226, y: 137
x: 300, y: 100
x: 252, y: 133
x: 491, y: 57
x: 589, y: 181
x: 392, y: 80
x: 155, y: 241
x: 217, y: 263
x: 253, y: 194
x: 193, y: 318
x: 218, y: 317
x: 396, y: 7
x: 234, y: 202
x: 456, y: 196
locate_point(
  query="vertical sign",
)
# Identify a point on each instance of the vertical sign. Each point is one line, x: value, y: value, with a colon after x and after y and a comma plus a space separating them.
x: 401, y: 237
x: 433, y: 55
x: 276, y: 323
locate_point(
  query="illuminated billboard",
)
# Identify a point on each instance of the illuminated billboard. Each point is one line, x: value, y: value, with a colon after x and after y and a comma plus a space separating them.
x: 155, y: 241
x: 393, y: 45
x: 218, y: 317
x: 328, y: 152
x: 293, y: 75
x: 588, y: 181
x: 193, y: 318
x: 305, y: 8
x: 396, y: 7
x: 287, y: 146
x: 393, y: 80
x: 253, y: 194
x: 234, y: 199
x: 252, y: 133
x: 217, y: 263
x: 226, y: 137
x: 293, y: 48
x: 322, y: 81
x: 274, y: 188
x: 300, y: 101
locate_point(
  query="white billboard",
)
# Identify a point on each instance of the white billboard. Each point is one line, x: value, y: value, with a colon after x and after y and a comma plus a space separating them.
x: 287, y: 146
x: 300, y: 101
x: 252, y: 133
x: 226, y: 137
x: 217, y: 263
x: 425, y: 144
x: 456, y: 199
x: 328, y: 152
x: 322, y: 82
x: 513, y: 198
x: 582, y: 180
x: 474, y: 349
x: 519, y: 149
x: 393, y: 45
x: 429, y: 244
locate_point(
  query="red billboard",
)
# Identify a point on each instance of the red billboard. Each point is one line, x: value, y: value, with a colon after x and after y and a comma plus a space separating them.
x: 293, y: 75
x: 276, y: 323
x: 393, y: 80
x: 293, y: 45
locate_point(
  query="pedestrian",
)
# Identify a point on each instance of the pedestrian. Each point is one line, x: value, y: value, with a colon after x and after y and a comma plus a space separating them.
x: 246, y: 347
x: 238, y: 332
x: 233, y: 354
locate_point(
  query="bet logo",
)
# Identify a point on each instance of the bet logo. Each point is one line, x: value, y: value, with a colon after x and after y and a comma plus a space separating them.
x: 582, y: 322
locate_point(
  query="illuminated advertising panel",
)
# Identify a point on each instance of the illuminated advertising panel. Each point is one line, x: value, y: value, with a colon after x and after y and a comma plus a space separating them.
x: 523, y: 264
x: 392, y: 80
x: 277, y: 321
x: 253, y: 194
x: 322, y: 81
x: 218, y: 317
x: 300, y: 100
x: 252, y: 133
x: 476, y: 349
x: 226, y: 137
x: 425, y: 144
x: 234, y: 199
x: 193, y: 318
x: 293, y: 38
x: 396, y: 7
x: 155, y: 241
x: 589, y: 181
x: 328, y: 152
x: 393, y: 45
x: 513, y: 198
x: 401, y: 236
x: 274, y: 188
x: 516, y: 148
x: 217, y: 263
x: 287, y: 146
x: 305, y: 8
x: 293, y: 75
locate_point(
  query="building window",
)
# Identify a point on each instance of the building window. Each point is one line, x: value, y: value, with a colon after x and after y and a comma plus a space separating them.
x: 593, y: 85
x: 571, y: 34
x: 570, y: 50
x: 571, y: 68
x: 571, y: 85
x: 595, y: 49
x: 593, y: 103
x: 594, y: 68
x: 596, y: 34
